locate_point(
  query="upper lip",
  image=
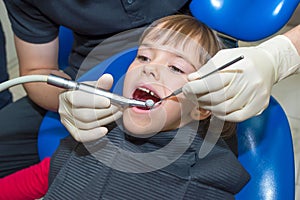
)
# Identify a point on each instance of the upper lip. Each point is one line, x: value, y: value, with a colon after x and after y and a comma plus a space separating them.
x: 149, y: 91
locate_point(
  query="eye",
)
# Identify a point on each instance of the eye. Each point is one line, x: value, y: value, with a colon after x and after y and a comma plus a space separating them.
x: 176, y: 69
x: 142, y: 58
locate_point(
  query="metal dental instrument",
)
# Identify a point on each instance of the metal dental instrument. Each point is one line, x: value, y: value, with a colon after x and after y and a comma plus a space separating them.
x: 178, y: 91
x: 115, y: 99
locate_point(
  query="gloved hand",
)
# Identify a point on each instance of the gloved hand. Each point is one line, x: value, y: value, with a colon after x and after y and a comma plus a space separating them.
x: 85, y: 115
x: 243, y: 89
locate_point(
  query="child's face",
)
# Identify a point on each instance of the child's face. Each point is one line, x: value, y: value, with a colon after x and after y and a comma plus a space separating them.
x: 155, y: 73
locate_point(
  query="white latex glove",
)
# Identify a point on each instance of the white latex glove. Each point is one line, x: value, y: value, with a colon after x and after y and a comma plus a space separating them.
x: 243, y: 89
x: 85, y: 115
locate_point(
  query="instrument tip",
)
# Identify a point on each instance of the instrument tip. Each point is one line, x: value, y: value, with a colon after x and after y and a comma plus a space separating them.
x: 149, y: 103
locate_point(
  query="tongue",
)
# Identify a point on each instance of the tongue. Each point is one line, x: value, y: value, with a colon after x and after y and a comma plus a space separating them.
x: 143, y: 96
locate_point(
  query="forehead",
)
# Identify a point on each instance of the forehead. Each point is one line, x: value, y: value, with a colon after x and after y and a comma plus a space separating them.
x: 179, y: 44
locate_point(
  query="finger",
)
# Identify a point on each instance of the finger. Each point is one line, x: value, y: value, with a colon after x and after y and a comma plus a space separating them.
x: 213, y: 98
x: 111, y: 118
x: 89, y: 135
x: 79, y: 99
x: 209, y: 84
x: 83, y: 134
x: 253, y: 104
x: 240, y: 109
x: 243, y: 114
x: 88, y: 115
x: 68, y: 124
x: 229, y: 92
x: 228, y: 106
x: 63, y: 108
x: 97, y: 123
x: 105, y: 81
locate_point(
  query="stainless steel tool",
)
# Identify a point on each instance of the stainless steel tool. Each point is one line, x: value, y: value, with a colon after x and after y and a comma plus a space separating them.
x: 115, y: 99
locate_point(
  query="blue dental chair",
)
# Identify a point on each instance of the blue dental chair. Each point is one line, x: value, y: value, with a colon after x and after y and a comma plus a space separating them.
x: 265, y: 143
x: 247, y: 20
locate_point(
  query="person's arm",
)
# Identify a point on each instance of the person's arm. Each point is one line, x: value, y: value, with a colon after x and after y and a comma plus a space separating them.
x: 28, y: 183
x: 40, y: 59
x: 243, y: 89
x: 294, y: 36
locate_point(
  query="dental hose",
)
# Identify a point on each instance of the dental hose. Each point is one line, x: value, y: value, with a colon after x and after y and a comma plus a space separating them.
x: 73, y: 85
x: 22, y: 79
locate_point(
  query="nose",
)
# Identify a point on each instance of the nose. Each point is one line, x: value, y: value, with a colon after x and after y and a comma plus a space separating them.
x: 152, y: 70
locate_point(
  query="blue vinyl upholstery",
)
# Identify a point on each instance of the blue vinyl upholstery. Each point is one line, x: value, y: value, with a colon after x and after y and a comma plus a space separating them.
x: 247, y: 20
x: 65, y: 46
x: 266, y: 151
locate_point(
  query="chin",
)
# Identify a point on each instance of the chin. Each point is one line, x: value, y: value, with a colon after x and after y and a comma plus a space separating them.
x: 139, y: 132
x: 142, y: 124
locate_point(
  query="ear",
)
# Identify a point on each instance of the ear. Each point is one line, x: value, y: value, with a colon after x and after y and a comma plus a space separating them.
x: 199, y: 113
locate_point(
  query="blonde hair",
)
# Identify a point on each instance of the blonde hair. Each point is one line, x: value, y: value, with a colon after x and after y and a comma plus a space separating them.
x: 184, y: 31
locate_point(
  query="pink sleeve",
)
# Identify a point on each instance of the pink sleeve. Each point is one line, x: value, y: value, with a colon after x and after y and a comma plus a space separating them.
x: 29, y: 183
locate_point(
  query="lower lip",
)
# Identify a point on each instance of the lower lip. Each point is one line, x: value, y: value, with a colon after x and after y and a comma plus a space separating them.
x: 137, y: 110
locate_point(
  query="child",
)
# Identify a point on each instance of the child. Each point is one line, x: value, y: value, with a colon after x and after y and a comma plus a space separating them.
x: 153, y: 153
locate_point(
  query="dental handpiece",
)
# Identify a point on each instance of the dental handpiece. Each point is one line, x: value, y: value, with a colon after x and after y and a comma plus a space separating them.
x: 115, y: 99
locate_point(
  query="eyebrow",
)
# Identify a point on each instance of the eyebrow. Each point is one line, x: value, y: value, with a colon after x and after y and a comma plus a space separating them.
x: 179, y: 55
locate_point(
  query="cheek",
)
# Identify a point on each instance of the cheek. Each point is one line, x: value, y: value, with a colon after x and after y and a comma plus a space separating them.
x: 173, y: 82
x: 179, y: 111
x: 129, y: 81
x: 173, y: 115
x: 127, y: 86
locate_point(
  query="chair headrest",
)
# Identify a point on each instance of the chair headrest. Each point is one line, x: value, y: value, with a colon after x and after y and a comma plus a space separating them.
x: 247, y: 20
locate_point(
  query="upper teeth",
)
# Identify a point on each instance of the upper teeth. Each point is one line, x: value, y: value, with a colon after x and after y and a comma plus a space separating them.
x: 148, y: 91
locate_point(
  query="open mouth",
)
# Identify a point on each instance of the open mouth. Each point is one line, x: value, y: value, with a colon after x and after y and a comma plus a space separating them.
x: 144, y: 94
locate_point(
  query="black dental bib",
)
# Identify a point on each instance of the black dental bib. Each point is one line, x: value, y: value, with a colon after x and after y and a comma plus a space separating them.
x: 164, y: 166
